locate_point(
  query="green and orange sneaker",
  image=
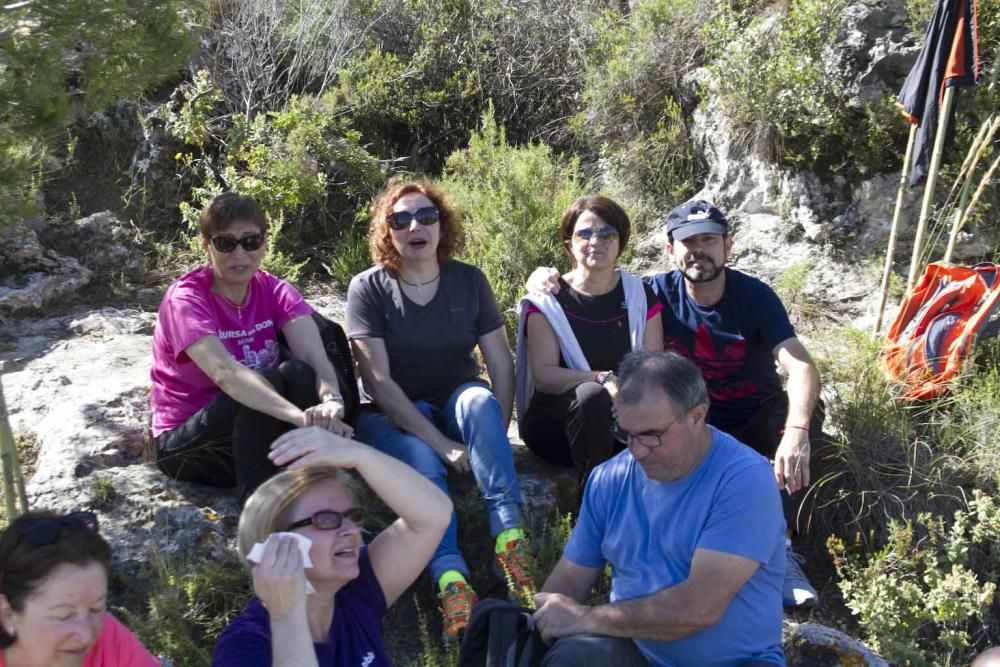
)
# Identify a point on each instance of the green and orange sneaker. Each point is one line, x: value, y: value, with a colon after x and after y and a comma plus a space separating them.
x: 457, y: 601
x: 514, y: 562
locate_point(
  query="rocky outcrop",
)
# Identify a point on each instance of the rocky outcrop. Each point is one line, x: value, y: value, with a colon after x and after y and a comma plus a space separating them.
x: 31, y: 276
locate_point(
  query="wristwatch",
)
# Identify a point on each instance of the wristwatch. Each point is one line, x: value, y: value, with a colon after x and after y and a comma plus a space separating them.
x: 330, y: 396
x: 603, y: 376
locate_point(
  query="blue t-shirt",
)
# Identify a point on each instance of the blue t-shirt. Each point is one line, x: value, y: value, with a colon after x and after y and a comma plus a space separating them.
x: 731, y: 341
x: 648, y: 531
x: 355, y: 634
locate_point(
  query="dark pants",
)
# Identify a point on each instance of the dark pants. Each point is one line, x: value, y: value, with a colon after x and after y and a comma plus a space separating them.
x: 763, y: 433
x: 572, y: 428
x: 226, y: 443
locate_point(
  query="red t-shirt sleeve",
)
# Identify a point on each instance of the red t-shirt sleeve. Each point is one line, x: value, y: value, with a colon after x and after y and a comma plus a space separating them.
x: 118, y: 647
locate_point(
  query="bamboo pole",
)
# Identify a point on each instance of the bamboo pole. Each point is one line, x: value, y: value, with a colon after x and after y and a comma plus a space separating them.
x: 13, y: 483
x: 987, y: 177
x: 932, y: 174
x: 966, y: 205
x: 894, y: 229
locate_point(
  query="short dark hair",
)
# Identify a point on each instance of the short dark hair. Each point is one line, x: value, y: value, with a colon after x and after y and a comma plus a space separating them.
x: 676, y: 376
x: 607, y: 209
x: 24, y: 566
x: 452, y: 238
x: 227, y: 208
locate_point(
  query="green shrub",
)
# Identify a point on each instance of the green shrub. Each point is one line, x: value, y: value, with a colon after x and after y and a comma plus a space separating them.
x: 510, y: 200
x: 633, y: 116
x: 774, y: 79
x: 924, y: 598
x: 429, y: 68
x: 62, y: 60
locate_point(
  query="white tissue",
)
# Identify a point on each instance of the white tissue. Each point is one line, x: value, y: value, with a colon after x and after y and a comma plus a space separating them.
x: 257, y: 552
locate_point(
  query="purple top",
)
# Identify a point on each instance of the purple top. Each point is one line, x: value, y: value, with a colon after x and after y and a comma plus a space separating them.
x: 355, y: 634
x: 190, y: 310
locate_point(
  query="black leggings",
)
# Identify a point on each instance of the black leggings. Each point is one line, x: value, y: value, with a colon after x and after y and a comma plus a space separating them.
x: 572, y: 428
x: 226, y: 443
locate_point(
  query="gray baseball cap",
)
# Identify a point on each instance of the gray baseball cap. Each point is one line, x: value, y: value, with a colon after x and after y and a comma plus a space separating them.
x: 696, y: 217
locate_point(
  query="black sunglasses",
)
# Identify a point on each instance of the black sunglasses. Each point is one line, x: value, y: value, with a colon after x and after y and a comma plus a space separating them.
x: 427, y: 215
x: 47, y: 530
x: 606, y: 234
x: 331, y: 519
x: 227, y: 244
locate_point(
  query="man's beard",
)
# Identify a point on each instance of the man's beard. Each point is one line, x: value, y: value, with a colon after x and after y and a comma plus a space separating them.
x: 708, y: 272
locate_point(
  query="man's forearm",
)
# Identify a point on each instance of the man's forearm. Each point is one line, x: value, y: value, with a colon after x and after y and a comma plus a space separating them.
x: 665, y: 615
x: 803, y: 393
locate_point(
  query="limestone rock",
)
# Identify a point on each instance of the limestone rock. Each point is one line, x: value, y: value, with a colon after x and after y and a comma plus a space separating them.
x: 815, y: 645
x: 104, y: 244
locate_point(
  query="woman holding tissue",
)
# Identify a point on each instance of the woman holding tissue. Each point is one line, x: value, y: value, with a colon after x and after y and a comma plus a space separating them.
x: 314, y: 509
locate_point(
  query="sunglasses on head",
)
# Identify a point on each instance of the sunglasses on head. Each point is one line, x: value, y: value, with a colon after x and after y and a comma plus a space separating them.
x: 427, y: 215
x: 250, y: 242
x: 331, y: 519
x: 606, y: 234
x: 47, y: 530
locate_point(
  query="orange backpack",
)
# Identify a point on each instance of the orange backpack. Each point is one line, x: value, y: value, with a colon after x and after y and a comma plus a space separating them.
x: 948, y: 310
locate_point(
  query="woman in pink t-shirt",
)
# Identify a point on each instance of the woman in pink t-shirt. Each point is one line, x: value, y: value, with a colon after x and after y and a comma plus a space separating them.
x: 54, y: 596
x: 221, y: 390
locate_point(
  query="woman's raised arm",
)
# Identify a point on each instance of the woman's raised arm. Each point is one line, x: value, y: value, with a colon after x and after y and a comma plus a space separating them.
x: 400, y: 552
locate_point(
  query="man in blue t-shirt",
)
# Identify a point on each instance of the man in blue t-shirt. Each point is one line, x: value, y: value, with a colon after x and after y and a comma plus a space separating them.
x: 734, y: 327
x: 689, y: 520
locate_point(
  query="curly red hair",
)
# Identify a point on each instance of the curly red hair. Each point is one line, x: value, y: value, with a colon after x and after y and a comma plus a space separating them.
x: 452, y: 238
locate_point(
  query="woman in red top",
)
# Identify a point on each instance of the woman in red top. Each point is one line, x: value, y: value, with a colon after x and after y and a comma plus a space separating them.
x: 54, y: 596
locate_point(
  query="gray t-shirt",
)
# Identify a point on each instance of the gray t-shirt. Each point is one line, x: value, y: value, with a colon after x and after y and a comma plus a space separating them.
x: 430, y: 347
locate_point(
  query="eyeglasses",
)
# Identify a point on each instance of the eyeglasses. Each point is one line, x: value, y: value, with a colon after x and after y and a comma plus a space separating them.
x: 47, y: 530
x: 227, y: 244
x: 649, y: 440
x: 427, y: 215
x: 331, y: 519
x: 606, y: 234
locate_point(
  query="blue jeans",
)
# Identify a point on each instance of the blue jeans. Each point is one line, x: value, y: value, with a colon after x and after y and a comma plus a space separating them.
x: 472, y: 416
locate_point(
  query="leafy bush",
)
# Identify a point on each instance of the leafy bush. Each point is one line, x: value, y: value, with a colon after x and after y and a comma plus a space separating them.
x: 63, y: 60
x: 430, y: 68
x: 634, y: 103
x: 925, y: 597
x: 510, y: 200
x: 775, y: 78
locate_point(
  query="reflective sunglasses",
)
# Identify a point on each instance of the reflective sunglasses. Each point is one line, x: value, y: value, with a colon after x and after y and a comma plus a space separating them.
x: 427, y: 215
x: 649, y: 440
x: 227, y: 244
x: 331, y: 519
x: 606, y: 234
x: 47, y: 530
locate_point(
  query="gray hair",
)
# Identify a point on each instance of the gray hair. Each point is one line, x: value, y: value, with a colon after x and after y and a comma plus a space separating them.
x: 677, y: 377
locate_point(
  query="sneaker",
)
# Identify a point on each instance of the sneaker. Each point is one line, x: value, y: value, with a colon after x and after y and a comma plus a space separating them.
x: 457, y: 601
x: 515, y: 565
x: 796, y: 590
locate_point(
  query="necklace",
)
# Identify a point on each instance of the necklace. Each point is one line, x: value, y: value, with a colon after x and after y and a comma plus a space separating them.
x: 419, y: 285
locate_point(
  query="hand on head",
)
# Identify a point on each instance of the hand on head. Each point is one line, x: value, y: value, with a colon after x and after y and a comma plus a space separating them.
x: 313, y: 445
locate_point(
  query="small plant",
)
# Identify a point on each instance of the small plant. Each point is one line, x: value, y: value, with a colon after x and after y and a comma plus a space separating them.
x: 187, y: 605
x: 102, y: 491
x: 924, y: 597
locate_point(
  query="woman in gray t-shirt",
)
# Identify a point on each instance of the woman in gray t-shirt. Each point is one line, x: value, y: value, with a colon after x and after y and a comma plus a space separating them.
x: 414, y: 320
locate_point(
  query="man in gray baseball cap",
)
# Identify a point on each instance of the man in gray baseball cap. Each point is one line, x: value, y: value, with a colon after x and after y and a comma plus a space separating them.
x: 734, y: 327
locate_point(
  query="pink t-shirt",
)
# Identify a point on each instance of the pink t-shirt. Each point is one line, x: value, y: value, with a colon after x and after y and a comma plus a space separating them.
x: 190, y: 311
x: 115, y: 647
